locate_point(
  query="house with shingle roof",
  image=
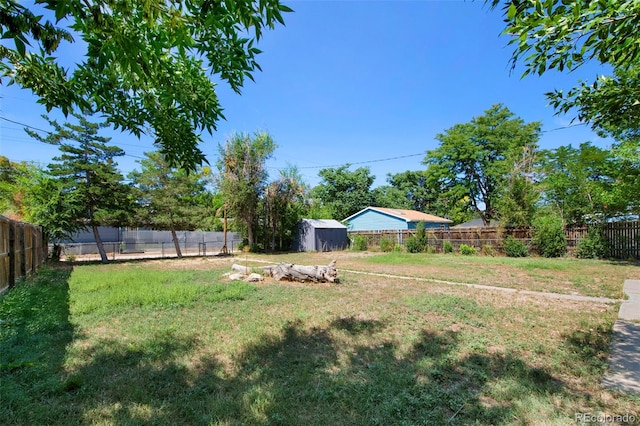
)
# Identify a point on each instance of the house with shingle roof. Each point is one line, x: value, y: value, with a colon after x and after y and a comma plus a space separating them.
x: 385, y: 219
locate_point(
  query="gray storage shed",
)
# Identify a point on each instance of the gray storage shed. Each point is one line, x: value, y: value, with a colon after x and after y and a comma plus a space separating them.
x: 320, y: 235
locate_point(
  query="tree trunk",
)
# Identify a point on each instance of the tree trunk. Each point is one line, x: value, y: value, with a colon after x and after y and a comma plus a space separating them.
x: 56, y: 252
x: 103, y: 254
x: 291, y: 272
x: 250, y: 235
x: 176, y: 243
x: 224, y: 232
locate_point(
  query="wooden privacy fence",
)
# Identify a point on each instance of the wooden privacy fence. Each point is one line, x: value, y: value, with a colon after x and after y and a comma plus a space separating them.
x: 22, y: 251
x: 621, y: 239
x: 490, y: 238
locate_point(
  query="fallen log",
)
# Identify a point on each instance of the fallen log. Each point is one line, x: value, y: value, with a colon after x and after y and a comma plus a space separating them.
x: 292, y: 272
x: 238, y: 276
x: 242, y: 269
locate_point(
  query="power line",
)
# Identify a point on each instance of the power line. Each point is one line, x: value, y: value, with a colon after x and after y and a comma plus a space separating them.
x: 416, y: 155
x: 25, y: 125
x: 364, y: 162
x: 564, y: 127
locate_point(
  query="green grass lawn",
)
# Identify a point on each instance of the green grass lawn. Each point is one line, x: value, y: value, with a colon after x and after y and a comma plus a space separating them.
x: 171, y: 342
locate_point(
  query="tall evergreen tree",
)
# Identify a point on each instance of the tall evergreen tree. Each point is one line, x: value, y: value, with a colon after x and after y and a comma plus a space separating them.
x: 89, y: 182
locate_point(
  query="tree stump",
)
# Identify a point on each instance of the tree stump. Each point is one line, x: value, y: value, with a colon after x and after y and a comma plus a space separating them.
x: 292, y: 272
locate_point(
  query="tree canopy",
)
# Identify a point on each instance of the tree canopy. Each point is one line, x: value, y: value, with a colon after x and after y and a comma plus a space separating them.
x: 242, y: 177
x: 587, y: 183
x: 344, y: 192
x: 170, y: 198
x: 147, y: 66
x: 474, y: 158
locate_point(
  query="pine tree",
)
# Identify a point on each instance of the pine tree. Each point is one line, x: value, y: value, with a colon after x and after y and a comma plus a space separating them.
x: 89, y: 180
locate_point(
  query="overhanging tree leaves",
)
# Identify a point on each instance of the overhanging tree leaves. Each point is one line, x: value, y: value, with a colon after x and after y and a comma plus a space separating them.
x: 474, y: 158
x: 146, y: 65
x: 563, y: 35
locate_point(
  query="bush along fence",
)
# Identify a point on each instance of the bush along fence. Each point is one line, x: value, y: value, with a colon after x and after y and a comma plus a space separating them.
x: 22, y: 251
x: 621, y: 240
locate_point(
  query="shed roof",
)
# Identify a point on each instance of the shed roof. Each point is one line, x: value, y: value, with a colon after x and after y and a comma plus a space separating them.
x: 324, y: 223
x: 406, y: 215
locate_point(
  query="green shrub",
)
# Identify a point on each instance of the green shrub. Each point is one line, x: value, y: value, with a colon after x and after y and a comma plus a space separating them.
x: 417, y: 243
x: 515, y: 248
x: 430, y: 249
x: 467, y: 250
x: 488, y: 250
x: 549, y: 236
x: 447, y: 247
x: 359, y: 243
x: 414, y: 245
x: 594, y: 246
x: 386, y: 244
x: 421, y: 235
x: 398, y: 248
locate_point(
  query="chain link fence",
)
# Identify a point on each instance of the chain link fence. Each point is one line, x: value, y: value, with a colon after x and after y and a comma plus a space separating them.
x: 129, y: 244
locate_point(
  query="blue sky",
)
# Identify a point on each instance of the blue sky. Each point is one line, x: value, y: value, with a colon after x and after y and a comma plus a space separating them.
x: 355, y: 82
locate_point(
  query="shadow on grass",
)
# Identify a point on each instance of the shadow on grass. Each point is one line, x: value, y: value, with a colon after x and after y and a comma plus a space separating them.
x: 354, y: 325
x: 302, y: 375
x: 591, y: 346
x: 34, y: 333
x: 299, y: 376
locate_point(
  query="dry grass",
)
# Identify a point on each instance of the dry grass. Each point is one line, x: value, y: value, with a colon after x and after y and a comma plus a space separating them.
x: 370, y: 350
x: 566, y: 275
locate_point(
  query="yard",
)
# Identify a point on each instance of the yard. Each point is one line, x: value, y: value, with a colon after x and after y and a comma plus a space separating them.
x: 171, y: 342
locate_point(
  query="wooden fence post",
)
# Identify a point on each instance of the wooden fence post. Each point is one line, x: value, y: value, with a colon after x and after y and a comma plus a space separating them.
x: 34, y: 249
x: 22, y: 251
x: 12, y: 254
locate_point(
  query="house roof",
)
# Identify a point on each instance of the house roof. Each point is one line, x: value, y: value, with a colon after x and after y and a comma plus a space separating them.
x: 324, y: 223
x: 406, y: 215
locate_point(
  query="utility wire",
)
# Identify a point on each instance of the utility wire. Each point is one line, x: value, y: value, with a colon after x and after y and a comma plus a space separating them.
x: 25, y: 125
x: 416, y: 155
x: 564, y: 127
x: 363, y: 162
x: 313, y: 167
